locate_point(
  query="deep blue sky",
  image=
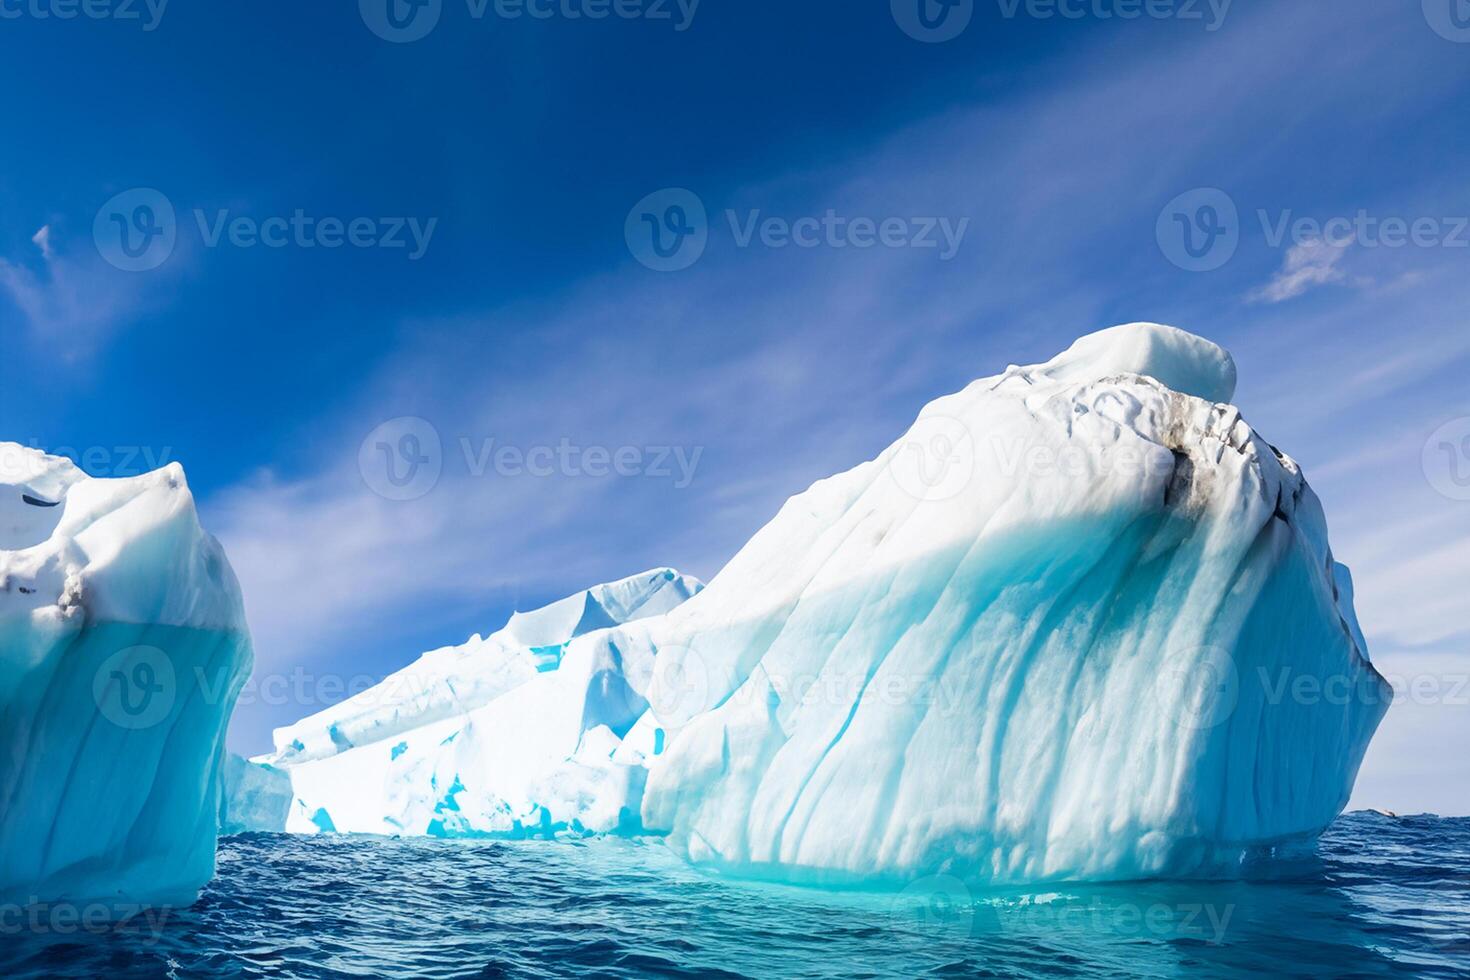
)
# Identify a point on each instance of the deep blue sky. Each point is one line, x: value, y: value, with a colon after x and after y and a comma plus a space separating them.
x: 529, y: 320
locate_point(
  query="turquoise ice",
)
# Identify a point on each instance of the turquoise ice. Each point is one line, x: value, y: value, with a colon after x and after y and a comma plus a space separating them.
x: 1054, y: 632
x: 122, y: 650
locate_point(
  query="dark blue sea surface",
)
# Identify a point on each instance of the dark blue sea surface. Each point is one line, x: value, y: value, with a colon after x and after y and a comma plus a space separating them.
x: 1382, y: 897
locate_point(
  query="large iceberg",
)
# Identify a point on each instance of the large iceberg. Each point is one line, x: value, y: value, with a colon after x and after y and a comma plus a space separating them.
x: 1058, y: 630
x: 122, y: 649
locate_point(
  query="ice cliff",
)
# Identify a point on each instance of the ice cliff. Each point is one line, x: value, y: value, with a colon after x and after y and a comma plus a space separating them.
x: 1056, y: 631
x: 122, y: 649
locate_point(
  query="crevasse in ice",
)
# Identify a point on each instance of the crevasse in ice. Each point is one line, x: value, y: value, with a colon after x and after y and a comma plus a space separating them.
x: 1056, y: 631
x: 122, y: 649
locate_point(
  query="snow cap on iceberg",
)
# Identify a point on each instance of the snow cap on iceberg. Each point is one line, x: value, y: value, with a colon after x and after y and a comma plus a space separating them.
x: 122, y: 649
x: 1188, y: 364
x: 72, y: 543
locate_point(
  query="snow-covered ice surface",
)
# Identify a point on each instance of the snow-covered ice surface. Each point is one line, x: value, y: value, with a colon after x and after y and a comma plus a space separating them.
x: 509, y: 735
x: 1058, y: 630
x: 123, y: 647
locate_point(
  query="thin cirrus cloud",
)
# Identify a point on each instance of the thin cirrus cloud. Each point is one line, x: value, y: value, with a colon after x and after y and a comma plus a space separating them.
x: 69, y: 296
x: 1307, y: 265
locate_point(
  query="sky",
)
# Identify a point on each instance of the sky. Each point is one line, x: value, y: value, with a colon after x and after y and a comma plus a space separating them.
x: 733, y: 247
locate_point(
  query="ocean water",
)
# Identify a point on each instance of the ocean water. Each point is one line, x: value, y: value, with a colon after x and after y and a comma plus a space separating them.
x: 1381, y: 897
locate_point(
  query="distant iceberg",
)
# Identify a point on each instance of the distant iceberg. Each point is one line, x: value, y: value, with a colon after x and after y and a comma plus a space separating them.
x: 122, y: 649
x: 1053, y: 632
x: 509, y: 735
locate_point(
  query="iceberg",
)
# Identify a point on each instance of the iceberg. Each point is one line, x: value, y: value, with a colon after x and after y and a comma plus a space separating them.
x: 507, y: 735
x: 123, y: 646
x: 1057, y: 631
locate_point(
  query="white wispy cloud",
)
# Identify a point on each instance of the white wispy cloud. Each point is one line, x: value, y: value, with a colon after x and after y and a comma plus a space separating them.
x: 1307, y: 265
x: 71, y: 299
x: 42, y: 240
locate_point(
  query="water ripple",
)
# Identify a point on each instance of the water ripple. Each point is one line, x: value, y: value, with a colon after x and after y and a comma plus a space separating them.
x: 1382, y: 897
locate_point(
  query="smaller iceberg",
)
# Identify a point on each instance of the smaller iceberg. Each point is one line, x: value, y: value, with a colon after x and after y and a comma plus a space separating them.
x: 123, y: 647
x: 513, y: 734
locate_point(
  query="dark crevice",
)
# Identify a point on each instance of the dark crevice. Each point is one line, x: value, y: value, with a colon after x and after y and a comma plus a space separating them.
x: 1180, y: 480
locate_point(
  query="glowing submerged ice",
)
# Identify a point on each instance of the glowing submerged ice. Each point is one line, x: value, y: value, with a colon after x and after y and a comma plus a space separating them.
x: 122, y: 649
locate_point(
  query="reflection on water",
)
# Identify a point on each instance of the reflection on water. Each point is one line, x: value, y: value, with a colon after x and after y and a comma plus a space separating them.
x: 1384, y: 897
